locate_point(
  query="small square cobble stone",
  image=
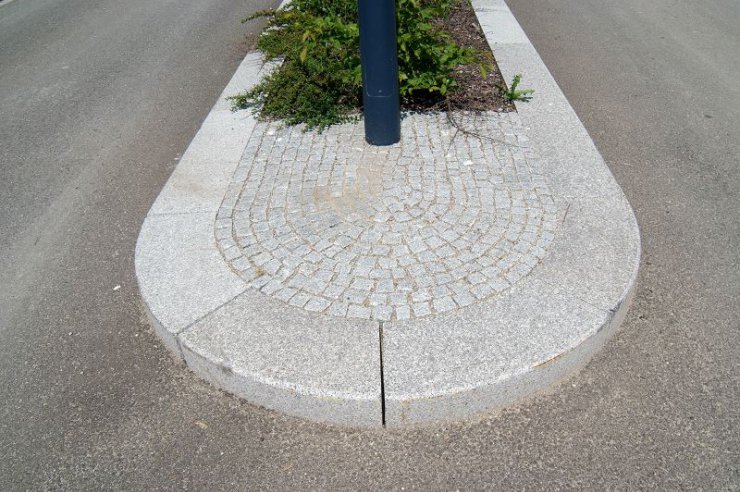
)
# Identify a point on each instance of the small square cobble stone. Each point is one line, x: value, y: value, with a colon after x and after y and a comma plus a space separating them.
x: 444, y: 304
x: 285, y: 294
x: 362, y: 284
x: 334, y: 291
x: 422, y: 309
x: 382, y: 313
x: 384, y: 286
x: 272, y: 286
x: 316, y: 304
x: 355, y: 296
x: 355, y: 311
x: 464, y: 299
x: 398, y: 299
x: 300, y: 299
x: 402, y: 312
x: 338, y: 309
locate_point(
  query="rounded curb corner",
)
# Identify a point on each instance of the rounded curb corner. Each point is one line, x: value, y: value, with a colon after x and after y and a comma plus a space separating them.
x: 479, y: 401
x: 292, y: 400
x: 386, y: 410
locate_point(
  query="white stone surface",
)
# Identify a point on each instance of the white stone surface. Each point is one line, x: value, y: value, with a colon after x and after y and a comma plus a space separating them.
x: 482, y: 357
x: 273, y: 265
x: 181, y: 273
x: 284, y: 358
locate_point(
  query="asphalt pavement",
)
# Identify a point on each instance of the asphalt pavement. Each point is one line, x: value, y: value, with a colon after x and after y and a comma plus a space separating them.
x: 99, y: 100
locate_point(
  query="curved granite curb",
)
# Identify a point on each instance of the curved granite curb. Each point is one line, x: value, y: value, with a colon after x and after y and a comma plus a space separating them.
x: 402, y: 370
x: 548, y: 325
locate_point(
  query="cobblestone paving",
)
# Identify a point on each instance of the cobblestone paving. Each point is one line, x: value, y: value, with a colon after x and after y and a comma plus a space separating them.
x: 330, y: 224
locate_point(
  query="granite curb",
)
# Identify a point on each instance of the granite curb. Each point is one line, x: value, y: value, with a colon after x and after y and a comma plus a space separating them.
x: 391, y: 370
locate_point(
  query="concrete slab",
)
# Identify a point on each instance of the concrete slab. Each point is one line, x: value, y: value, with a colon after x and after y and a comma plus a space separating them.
x: 596, y: 255
x: 484, y: 356
x: 494, y: 16
x: 182, y: 275
x: 282, y: 357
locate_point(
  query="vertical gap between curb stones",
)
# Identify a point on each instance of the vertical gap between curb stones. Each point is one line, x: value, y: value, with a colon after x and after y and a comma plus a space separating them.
x: 382, y: 376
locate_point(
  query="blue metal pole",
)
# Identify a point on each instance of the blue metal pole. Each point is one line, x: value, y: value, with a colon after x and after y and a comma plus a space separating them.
x: 379, y: 71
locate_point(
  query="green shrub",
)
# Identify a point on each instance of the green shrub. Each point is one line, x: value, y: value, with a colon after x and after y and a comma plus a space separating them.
x: 320, y: 82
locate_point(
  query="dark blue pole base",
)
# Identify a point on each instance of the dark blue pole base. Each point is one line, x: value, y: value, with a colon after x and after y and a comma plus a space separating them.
x: 379, y: 71
x: 382, y: 120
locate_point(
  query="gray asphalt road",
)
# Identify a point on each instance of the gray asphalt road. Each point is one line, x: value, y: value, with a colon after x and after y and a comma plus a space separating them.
x: 97, y: 102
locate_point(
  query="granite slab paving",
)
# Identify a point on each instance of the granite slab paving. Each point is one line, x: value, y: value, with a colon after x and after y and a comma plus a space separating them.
x: 481, y: 259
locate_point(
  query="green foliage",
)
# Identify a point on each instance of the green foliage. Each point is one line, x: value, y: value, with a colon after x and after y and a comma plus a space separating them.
x: 426, y: 54
x: 320, y: 80
x: 513, y: 94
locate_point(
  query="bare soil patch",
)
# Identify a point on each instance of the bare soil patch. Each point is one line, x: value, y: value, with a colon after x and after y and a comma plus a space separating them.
x: 475, y: 92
